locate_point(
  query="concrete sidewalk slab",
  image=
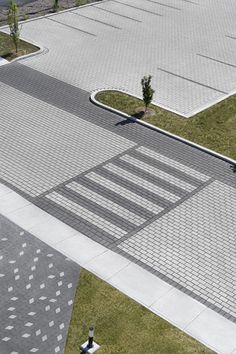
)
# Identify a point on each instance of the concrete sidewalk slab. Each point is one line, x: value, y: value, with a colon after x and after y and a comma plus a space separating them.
x: 211, y: 327
x: 184, y: 313
x: 115, y: 261
x: 133, y: 280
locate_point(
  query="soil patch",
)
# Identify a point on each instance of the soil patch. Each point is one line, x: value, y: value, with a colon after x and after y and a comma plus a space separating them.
x: 141, y: 113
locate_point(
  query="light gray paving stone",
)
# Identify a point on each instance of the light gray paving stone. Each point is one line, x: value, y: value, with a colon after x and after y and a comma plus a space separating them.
x: 183, y: 71
x: 99, y: 210
x: 32, y: 160
x: 142, y: 182
x: 124, y: 192
x: 181, y: 244
x: 106, y: 203
x: 86, y: 214
x: 75, y: 101
x: 123, y: 202
x: 173, y: 163
x: 158, y: 173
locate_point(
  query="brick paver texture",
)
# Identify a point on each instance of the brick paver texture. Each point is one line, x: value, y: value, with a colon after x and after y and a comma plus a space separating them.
x: 188, y: 48
x: 87, y: 166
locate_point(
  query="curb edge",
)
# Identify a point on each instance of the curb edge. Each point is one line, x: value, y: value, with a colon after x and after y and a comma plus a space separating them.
x: 153, y: 127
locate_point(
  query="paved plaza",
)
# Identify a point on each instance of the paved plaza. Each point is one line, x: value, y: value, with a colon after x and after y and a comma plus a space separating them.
x: 136, y: 196
x: 188, y: 47
x: 161, y: 204
x: 37, y: 289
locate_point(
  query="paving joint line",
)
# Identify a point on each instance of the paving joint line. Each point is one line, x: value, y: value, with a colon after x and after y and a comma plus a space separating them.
x: 83, y: 174
x: 71, y: 27
x: 165, y: 211
x: 164, y: 5
x: 173, y: 283
x: 191, y: 2
x: 95, y: 20
x: 116, y: 13
x: 138, y: 8
x: 231, y: 37
x: 216, y: 60
x: 193, y: 81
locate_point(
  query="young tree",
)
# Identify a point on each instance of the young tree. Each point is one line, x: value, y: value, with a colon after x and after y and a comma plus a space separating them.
x: 13, y: 23
x: 56, y: 5
x: 147, y: 91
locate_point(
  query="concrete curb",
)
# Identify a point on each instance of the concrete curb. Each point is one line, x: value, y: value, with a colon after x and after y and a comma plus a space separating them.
x: 189, y: 115
x: 151, y: 126
x: 42, y: 50
x: 56, y: 13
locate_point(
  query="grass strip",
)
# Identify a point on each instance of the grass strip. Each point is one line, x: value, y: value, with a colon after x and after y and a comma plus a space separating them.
x: 214, y: 128
x: 7, y: 48
x: 122, y: 326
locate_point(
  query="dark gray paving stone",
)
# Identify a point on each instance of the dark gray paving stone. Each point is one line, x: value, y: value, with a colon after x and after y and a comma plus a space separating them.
x: 37, y: 289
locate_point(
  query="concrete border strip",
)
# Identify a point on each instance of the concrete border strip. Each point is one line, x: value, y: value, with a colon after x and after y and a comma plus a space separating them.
x: 42, y: 50
x: 184, y: 312
x: 190, y: 115
x: 56, y: 13
x: 194, y: 112
x: 153, y: 127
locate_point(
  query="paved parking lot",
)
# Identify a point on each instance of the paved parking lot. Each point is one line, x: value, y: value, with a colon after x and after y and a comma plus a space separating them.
x: 162, y: 204
x: 188, y: 46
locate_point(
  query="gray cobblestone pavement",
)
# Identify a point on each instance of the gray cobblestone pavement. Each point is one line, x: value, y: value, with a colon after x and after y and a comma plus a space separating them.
x: 37, y: 288
x: 160, y: 38
x: 46, y: 164
x: 194, y: 245
x: 172, y: 192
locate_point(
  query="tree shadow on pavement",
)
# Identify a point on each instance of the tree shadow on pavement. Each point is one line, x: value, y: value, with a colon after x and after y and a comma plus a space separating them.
x: 124, y: 122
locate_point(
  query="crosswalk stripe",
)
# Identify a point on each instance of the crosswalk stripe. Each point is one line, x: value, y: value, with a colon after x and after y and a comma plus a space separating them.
x: 158, y: 173
x: 86, y: 214
x: 141, y: 182
x: 173, y: 163
x: 146, y: 204
x: 106, y: 203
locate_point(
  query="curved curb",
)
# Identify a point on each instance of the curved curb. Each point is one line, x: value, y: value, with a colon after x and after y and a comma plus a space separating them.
x: 54, y: 13
x: 153, y: 127
x: 41, y: 50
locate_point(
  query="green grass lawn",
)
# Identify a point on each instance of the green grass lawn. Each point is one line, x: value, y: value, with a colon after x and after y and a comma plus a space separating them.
x: 122, y: 326
x: 214, y: 128
x: 7, y: 49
